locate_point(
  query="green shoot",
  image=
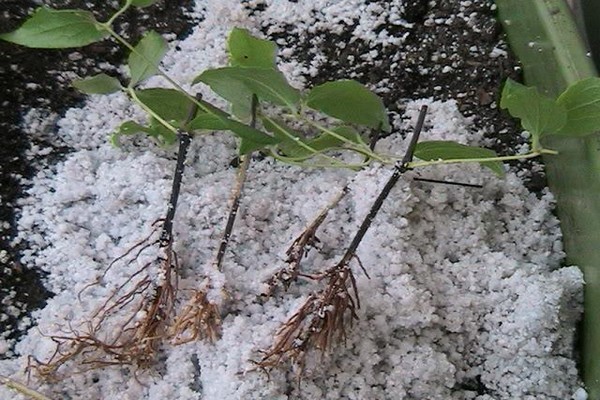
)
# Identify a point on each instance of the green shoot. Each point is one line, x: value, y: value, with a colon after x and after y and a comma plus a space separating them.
x: 253, y: 71
x: 575, y: 113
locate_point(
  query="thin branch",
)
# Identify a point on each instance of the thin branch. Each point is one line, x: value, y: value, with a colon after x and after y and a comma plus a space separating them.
x: 399, y: 169
x: 472, y: 185
x: 300, y: 247
x: 184, y: 143
x: 236, y: 196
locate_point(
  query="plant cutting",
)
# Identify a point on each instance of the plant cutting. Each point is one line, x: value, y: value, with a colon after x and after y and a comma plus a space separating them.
x: 304, y: 148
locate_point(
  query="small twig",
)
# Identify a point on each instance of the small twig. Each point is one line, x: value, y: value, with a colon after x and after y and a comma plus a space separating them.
x: 233, y: 210
x: 22, y: 389
x: 472, y: 185
x: 184, y: 143
x: 236, y: 196
x: 300, y: 247
x: 399, y: 169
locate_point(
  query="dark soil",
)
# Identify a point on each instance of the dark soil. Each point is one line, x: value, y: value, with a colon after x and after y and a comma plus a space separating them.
x: 35, y: 79
x: 442, y: 57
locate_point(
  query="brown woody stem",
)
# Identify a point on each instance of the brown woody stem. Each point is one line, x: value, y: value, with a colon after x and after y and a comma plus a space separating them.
x: 237, y: 195
x: 399, y: 169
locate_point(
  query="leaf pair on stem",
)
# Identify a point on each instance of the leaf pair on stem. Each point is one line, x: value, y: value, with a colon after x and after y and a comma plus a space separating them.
x: 575, y: 113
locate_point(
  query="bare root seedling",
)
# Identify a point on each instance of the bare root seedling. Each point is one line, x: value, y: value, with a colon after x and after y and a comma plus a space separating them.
x: 128, y: 327
x: 300, y: 248
x: 323, y: 317
x: 319, y: 322
x: 200, y: 317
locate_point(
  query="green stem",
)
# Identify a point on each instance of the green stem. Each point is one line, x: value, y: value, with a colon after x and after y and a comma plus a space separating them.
x: 366, y: 151
x: 118, y: 13
x: 297, y: 140
x: 154, y: 115
x: 533, y: 154
x: 334, y: 163
x: 201, y: 104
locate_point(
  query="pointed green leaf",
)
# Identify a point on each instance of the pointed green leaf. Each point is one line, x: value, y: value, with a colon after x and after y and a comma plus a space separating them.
x: 165, y: 136
x: 252, y: 138
x: 448, y: 150
x: 289, y: 139
x: 143, y: 62
x: 327, y: 141
x: 246, y: 50
x: 540, y: 115
x: 253, y: 134
x: 131, y: 128
x: 97, y: 84
x: 169, y: 104
x: 350, y: 102
x: 207, y: 121
x: 57, y: 29
x: 155, y: 130
x: 268, y: 84
x: 582, y: 102
x: 143, y: 3
x: 242, y: 110
x: 238, y: 95
x: 248, y: 146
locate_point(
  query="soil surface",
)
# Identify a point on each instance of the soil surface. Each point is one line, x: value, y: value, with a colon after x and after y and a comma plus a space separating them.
x: 33, y: 78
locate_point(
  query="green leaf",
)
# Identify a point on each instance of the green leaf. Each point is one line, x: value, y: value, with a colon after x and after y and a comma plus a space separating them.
x: 350, y: 102
x: 540, y: 115
x: 170, y: 104
x: 155, y: 130
x: 289, y: 146
x: 246, y: 50
x: 290, y: 139
x: 97, y: 84
x: 243, y: 109
x: 143, y: 62
x: 208, y: 122
x: 143, y: 3
x: 327, y: 141
x: 132, y: 127
x: 582, y: 102
x: 238, y: 95
x: 233, y: 83
x: 448, y: 150
x: 57, y: 29
x: 252, y: 138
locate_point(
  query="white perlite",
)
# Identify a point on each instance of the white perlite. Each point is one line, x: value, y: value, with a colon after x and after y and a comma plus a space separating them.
x: 465, y: 290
